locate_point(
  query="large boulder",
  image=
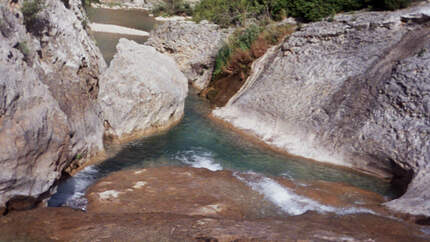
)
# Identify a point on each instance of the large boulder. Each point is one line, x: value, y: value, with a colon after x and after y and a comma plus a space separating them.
x: 143, y: 91
x: 194, y: 46
x: 354, y: 92
x: 49, y: 117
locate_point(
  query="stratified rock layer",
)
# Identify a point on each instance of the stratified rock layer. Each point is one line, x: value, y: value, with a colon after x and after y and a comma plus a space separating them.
x: 354, y: 92
x: 194, y: 46
x: 48, y: 89
x: 142, y: 91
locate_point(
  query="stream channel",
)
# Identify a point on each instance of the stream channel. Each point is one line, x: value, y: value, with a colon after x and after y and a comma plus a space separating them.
x: 199, y: 142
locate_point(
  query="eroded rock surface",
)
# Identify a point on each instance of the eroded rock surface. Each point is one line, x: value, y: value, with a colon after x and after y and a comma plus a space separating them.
x: 353, y: 92
x: 48, y: 97
x: 194, y: 46
x: 142, y: 91
x: 190, y: 204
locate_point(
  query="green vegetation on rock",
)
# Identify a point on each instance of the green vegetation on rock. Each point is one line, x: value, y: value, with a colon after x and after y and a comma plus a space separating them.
x: 241, y: 40
x: 247, y: 43
x: 33, y: 21
x: 30, y: 9
x: 23, y: 48
x: 227, y: 12
x: 173, y: 7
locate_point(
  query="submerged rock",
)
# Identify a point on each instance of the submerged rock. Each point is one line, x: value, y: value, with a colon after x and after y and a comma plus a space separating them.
x: 49, y: 117
x: 194, y: 46
x: 142, y: 91
x: 353, y: 92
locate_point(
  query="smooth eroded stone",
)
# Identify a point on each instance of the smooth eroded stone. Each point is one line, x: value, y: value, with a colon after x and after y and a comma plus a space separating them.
x: 143, y: 91
x: 353, y: 92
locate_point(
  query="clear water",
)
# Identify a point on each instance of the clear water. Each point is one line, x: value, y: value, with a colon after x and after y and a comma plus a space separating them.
x: 197, y: 141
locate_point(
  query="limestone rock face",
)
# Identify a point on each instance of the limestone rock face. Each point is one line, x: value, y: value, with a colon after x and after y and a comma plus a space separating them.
x: 353, y: 92
x: 49, y: 116
x: 194, y: 46
x: 142, y: 91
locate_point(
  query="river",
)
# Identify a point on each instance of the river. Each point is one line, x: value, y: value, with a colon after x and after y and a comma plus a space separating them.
x: 197, y: 141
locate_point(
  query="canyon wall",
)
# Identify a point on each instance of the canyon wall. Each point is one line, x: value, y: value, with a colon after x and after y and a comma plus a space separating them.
x: 49, y: 115
x: 52, y: 116
x: 353, y: 91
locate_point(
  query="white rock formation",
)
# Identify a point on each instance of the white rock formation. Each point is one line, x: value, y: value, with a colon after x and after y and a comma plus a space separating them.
x: 353, y: 92
x: 142, y: 91
x: 193, y: 45
x: 49, y: 117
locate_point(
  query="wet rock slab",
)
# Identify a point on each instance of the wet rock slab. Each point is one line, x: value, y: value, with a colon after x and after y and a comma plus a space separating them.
x: 189, y: 204
x: 186, y: 191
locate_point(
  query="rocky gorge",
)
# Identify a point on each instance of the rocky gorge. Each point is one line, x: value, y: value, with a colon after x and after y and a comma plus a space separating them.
x: 55, y: 111
x: 337, y: 91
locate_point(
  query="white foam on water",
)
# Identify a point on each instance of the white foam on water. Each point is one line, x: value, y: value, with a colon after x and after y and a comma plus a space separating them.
x: 287, y: 175
x: 77, y: 185
x: 290, y: 202
x: 199, y: 159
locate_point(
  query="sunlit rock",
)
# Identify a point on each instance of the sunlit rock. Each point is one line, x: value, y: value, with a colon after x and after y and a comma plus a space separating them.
x: 142, y: 92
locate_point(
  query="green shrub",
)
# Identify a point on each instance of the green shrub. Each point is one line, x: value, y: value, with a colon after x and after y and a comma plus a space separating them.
x: 241, y: 39
x: 86, y: 3
x: 78, y: 157
x: 34, y: 23
x: 173, y: 7
x: 246, y: 45
x: 30, y: 9
x: 222, y: 59
x: 23, y: 48
x: 228, y: 12
x: 25, y: 51
x: 390, y: 4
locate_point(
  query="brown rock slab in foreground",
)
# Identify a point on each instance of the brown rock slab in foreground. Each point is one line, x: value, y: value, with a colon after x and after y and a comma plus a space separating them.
x: 189, y: 204
x: 187, y: 191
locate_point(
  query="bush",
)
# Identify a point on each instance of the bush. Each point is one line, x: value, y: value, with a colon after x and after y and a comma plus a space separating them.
x: 33, y: 23
x: 241, y: 39
x: 391, y: 4
x: 30, y: 9
x: 228, y: 12
x: 246, y: 45
x: 23, y: 48
x: 173, y: 7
